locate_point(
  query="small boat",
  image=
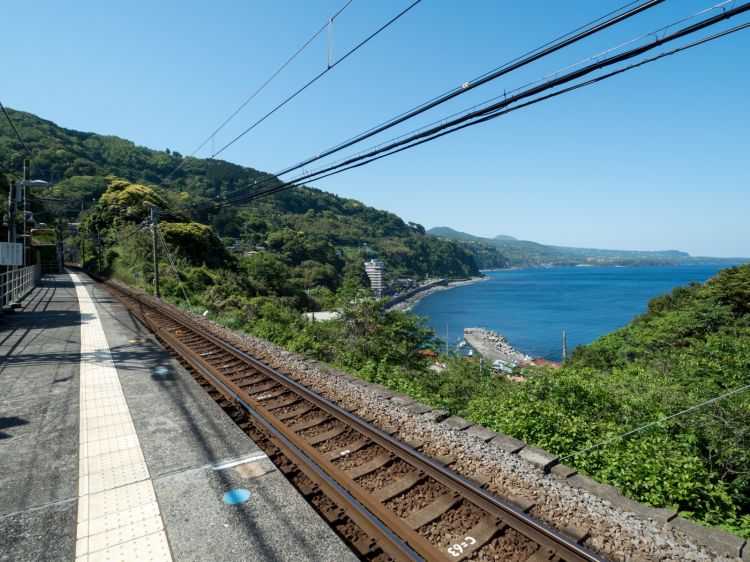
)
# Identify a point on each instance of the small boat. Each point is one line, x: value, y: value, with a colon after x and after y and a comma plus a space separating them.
x: 461, y: 344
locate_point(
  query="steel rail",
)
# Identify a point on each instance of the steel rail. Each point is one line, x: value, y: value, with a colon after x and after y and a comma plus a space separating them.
x: 389, y: 542
x: 398, y: 539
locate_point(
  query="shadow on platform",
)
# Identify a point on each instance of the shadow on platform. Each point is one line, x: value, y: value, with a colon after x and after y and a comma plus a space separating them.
x: 8, y: 422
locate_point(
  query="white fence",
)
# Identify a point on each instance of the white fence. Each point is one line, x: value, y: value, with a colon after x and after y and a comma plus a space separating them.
x: 17, y: 283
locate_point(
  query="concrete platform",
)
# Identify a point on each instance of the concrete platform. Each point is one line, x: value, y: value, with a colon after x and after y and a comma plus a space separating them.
x: 63, y: 458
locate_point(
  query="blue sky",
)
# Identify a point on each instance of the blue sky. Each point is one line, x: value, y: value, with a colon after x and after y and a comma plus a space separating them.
x: 653, y: 159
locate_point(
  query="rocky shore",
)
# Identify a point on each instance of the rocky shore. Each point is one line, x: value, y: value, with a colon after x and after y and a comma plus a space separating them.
x: 492, y: 346
x: 410, y: 302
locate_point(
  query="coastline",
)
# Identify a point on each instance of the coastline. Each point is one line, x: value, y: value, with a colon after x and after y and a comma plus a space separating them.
x: 408, y: 303
x: 493, y: 346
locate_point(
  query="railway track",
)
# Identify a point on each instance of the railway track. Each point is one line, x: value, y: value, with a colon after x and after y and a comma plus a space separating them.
x: 383, y: 496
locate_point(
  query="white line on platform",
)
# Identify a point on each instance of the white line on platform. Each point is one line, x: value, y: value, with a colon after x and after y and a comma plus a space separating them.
x: 118, y: 515
x: 238, y: 462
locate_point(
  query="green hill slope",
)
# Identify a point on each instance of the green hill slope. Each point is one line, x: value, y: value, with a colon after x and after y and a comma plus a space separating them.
x: 301, y: 225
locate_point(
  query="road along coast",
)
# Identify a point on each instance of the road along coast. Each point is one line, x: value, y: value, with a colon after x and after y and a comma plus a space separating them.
x: 434, y: 287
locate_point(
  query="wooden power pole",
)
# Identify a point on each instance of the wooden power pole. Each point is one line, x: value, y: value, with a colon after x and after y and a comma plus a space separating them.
x: 154, y: 249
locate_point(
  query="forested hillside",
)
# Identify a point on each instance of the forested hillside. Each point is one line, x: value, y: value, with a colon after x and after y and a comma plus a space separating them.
x: 303, y: 249
x: 322, y: 237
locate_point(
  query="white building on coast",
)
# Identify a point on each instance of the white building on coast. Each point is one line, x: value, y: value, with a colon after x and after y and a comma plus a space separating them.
x: 375, y: 270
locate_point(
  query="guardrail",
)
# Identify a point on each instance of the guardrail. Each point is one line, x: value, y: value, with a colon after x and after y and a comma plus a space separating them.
x: 17, y: 283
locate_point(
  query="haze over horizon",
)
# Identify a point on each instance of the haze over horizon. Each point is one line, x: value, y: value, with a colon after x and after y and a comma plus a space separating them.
x: 650, y: 160
x: 555, y: 243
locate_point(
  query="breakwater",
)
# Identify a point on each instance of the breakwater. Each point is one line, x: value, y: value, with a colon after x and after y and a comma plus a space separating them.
x: 492, y: 346
x: 532, y: 307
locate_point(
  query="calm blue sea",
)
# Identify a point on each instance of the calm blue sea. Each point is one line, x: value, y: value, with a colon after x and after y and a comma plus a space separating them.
x: 532, y: 307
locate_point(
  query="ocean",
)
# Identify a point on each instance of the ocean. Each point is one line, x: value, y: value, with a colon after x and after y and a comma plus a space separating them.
x: 532, y: 307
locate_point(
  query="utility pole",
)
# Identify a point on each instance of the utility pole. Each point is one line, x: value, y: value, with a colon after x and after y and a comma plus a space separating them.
x: 12, y: 211
x: 12, y: 195
x: 26, y: 166
x: 154, y: 219
x: 99, y: 250
x: 565, y: 345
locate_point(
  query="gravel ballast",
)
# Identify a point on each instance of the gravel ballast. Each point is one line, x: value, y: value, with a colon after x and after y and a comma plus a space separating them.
x: 613, y: 526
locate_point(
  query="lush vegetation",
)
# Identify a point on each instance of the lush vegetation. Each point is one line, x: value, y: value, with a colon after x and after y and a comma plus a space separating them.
x: 321, y: 237
x: 303, y: 250
x: 690, y: 346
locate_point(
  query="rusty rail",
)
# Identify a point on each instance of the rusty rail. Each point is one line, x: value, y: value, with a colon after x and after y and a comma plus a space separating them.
x: 306, y: 426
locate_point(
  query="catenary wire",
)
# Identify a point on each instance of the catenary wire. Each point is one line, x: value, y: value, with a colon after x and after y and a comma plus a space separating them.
x: 23, y: 143
x: 321, y: 74
x: 500, y: 112
x: 528, y: 53
x: 515, y: 64
x: 539, y: 80
x: 536, y: 54
x: 260, y: 88
x: 174, y: 269
x: 498, y: 108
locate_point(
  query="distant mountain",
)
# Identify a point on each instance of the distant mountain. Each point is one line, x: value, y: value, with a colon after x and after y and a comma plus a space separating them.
x: 524, y: 253
x: 620, y: 254
x: 448, y: 232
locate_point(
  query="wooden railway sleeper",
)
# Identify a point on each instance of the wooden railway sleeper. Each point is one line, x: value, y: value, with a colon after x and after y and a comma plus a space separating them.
x: 370, y: 466
x: 434, y: 510
x: 476, y: 496
x: 348, y: 449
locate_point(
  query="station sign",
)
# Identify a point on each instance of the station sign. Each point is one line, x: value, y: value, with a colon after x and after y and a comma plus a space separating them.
x: 11, y: 253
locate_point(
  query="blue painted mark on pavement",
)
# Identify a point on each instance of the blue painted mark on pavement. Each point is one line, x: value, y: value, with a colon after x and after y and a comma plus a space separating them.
x: 236, y: 496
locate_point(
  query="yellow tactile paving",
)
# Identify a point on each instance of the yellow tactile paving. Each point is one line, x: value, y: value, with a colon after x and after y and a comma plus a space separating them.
x: 149, y: 547
x: 118, y: 515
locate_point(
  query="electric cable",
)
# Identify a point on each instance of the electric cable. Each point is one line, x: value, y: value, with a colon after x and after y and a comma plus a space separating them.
x: 533, y: 91
x: 260, y: 88
x: 515, y: 64
x: 656, y: 422
x: 499, y: 113
x: 12, y: 125
x: 536, y: 54
x: 120, y: 239
x: 23, y: 143
x: 323, y: 73
x: 174, y: 269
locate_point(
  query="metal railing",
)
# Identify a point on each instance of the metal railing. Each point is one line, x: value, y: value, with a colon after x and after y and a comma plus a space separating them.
x: 17, y: 283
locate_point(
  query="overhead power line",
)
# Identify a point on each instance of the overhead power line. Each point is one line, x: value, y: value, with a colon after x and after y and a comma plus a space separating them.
x: 323, y: 73
x: 542, y: 98
x: 260, y: 88
x: 500, y: 108
x: 174, y: 269
x: 548, y: 48
x: 23, y: 143
x: 656, y: 422
x: 541, y: 52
